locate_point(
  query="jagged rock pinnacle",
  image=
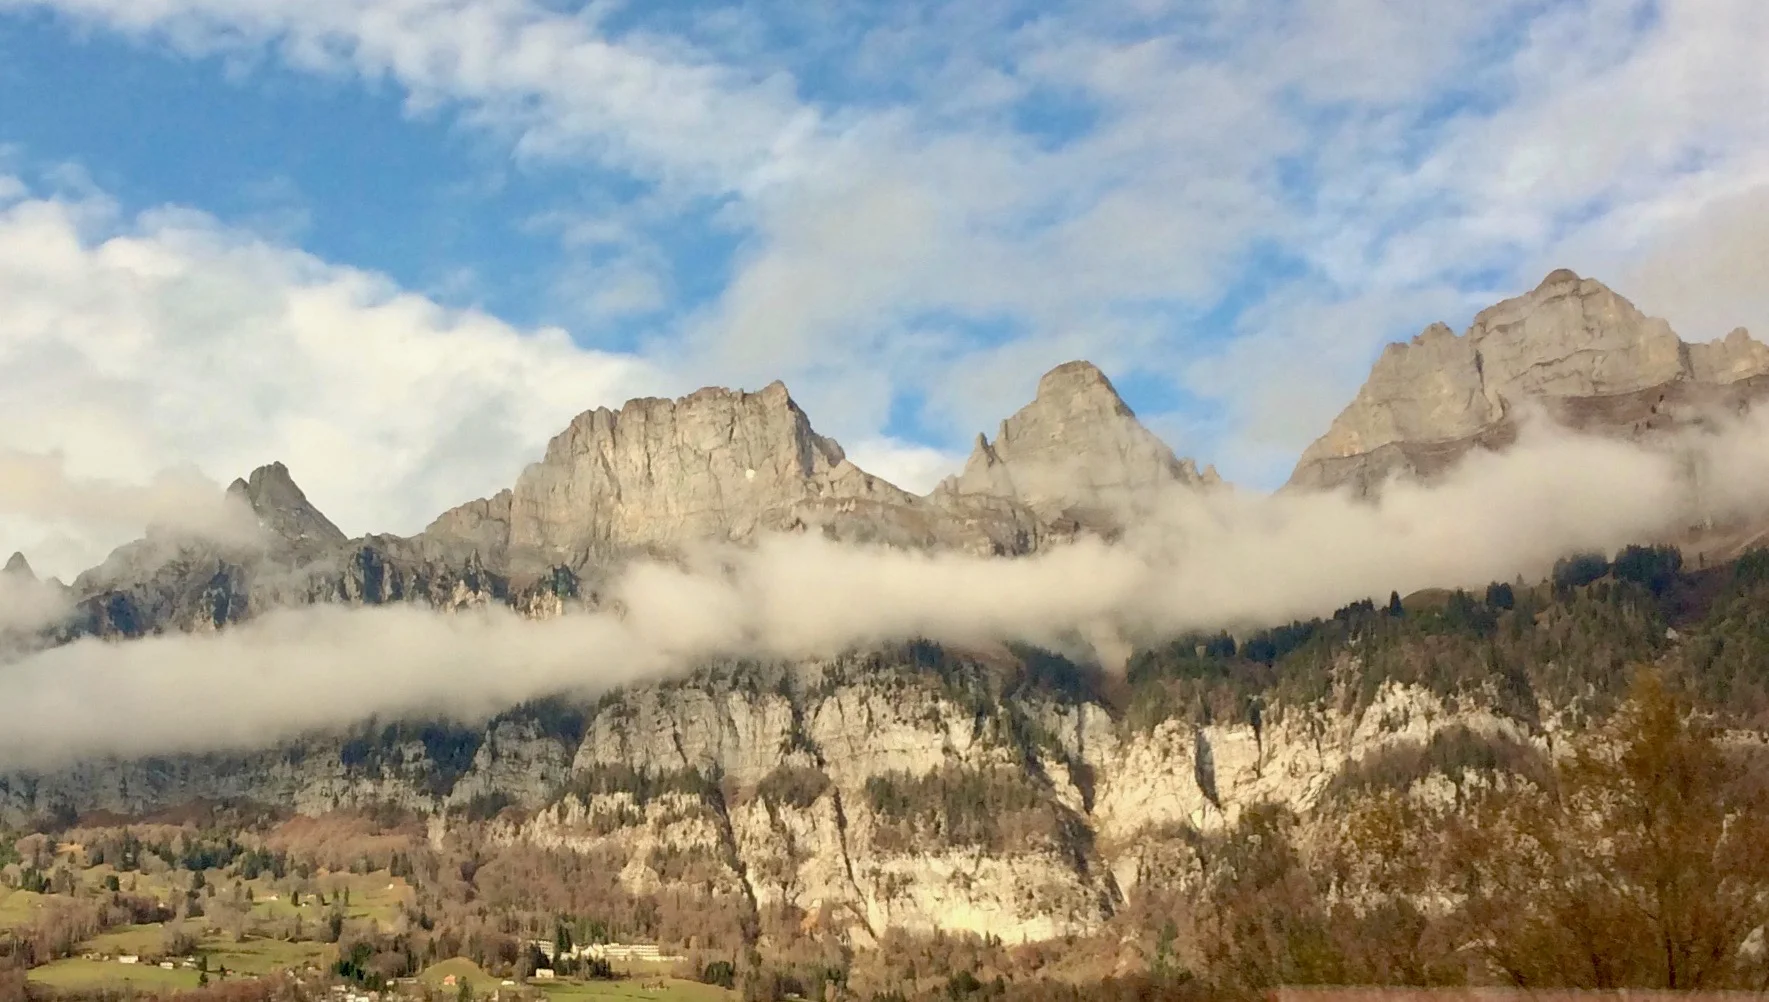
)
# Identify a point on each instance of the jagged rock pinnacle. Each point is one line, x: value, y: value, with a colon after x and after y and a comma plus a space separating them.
x: 283, y: 508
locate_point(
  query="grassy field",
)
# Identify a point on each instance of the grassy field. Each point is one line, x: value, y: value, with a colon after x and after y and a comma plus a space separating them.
x: 77, y: 973
x: 17, y: 907
x: 262, y: 956
x: 596, y: 991
x: 589, y: 991
x: 166, y: 887
x: 136, y: 939
x: 376, y: 896
x: 461, y: 968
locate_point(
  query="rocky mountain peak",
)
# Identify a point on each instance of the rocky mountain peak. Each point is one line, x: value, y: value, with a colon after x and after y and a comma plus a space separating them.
x: 1078, y: 387
x: 1077, y: 445
x: 715, y: 464
x: 1569, y: 339
x: 283, y: 508
x: 1559, y: 277
x: 17, y: 566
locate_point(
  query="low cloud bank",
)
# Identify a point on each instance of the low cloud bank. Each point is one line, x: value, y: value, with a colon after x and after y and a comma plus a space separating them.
x: 27, y: 604
x: 40, y: 487
x: 37, y: 489
x: 1196, y: 560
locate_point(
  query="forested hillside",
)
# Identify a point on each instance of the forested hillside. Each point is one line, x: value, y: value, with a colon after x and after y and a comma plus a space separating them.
x: 1586, y: 809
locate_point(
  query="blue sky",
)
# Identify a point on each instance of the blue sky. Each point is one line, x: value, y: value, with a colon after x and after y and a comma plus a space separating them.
x: 414, y: 237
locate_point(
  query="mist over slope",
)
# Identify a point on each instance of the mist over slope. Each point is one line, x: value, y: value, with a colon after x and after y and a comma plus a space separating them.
x: 658, y: 537
x: 1197, y: 560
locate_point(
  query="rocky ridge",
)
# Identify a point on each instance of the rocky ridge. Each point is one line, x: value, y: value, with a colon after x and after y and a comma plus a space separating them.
x: 1572, y: 346
x: 718, y: 464
x: 651, y: 478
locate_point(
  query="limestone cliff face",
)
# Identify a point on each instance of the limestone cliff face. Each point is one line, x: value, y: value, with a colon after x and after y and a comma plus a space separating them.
x: 891, y: 790
x: 836, y: 846
x: 1077, y: 450
x: 718, y: 464
x: 1573, y: 345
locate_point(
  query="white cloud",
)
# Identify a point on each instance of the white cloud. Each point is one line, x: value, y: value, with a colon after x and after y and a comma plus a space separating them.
x: 37, y: 488
x: 136, y: 346
x: 551, y: 81
x: 1207, y: 561
x: 1408, y: 159
x: 915, y: 468
x: 1593, y: 142
x: 862, y: 222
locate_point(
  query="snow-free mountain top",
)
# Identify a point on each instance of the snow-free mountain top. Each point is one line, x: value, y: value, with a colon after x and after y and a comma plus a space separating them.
x: 658, y: 475
x: 725, y: 464
x: 653, y: 476
x: 1570, y: 340
x: 283, y: 508
x: 18, y: 566
x: 1076, y: 447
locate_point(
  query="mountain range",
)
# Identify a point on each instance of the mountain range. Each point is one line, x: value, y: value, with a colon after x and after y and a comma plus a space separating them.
x: 656, y: 475
x: 788, y: 759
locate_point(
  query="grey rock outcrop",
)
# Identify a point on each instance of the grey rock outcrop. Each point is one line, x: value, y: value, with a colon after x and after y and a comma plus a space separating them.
x: 652, y: 477
x: 658, y: 473
x: 283, y: 509
x: 1588, y: 355
x: 1076, y: 452
x: 718, y: 464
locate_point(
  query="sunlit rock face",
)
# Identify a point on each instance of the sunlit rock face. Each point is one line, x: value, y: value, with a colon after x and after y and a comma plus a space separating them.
x: 1075, y: 453
x: 907, y: 787
x: 1574, y: 347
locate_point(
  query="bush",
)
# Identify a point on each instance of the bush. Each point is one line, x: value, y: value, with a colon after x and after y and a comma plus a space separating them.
x: 793, y: 786
x: 597, y: 969
x: 1454, y: 751
x: 1579, y: 570
x: 1653, y: 566
x: 1500, y: 596
x: 721, y: 973
x: 960, y: 806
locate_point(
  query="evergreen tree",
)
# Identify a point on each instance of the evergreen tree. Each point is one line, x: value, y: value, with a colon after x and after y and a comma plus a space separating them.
x: 1499, y: 595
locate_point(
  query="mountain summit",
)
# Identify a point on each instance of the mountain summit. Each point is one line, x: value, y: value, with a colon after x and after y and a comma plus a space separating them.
x: 17, y: 566
x: 1571, y: 344
x: 283, y: 508
x: 658, y: 474
x: 1076, y: 447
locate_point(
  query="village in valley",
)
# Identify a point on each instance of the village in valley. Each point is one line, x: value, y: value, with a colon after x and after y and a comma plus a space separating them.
x: 158, y: 908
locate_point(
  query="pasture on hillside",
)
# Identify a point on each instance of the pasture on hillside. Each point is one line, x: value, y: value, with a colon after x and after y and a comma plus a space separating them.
x: 674, y: 990
x: 75, y: 973
x: 18, y: 907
